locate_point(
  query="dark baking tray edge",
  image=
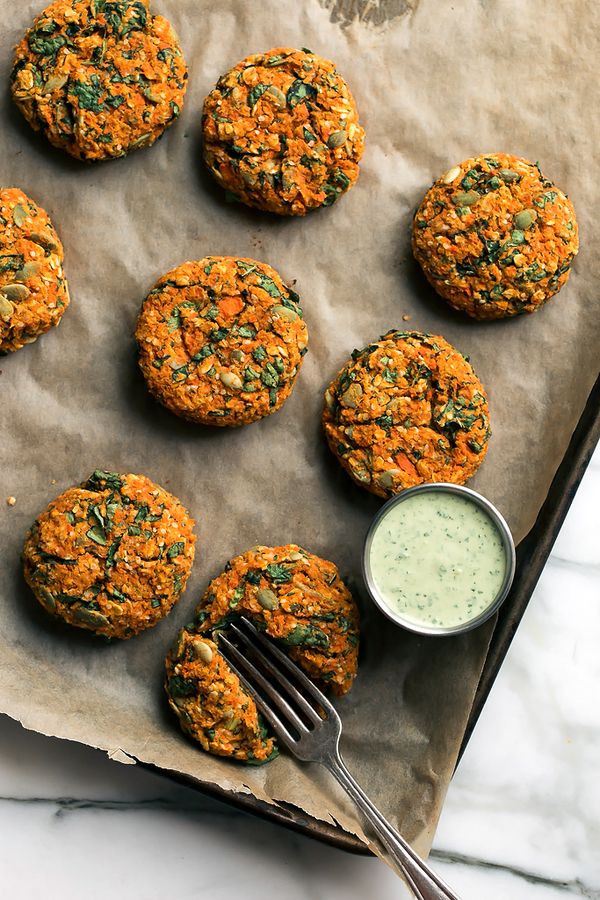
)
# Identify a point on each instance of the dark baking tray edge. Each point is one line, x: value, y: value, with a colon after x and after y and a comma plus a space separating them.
x: 535, y: 548
x: 532, y: 554
x: 289, y: 816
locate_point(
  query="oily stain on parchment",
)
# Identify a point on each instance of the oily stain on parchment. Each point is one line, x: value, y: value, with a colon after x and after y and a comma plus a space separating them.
x: 369, y: 12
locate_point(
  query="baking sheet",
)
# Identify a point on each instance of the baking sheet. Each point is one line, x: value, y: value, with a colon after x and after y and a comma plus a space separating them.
x: 435, y: 84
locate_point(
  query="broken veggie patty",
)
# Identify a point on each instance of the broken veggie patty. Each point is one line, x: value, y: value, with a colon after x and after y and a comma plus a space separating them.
x: 112, y: 555
x: 281, y: 132
x: 407, y: 409
x: 221, y: 340
x: 494, y: 237
x: 99, y: 78
x: 33, y: 288
x: 294, y: 597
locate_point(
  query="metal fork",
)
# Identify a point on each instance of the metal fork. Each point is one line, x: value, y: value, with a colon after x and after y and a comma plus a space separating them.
x: 311, y: 731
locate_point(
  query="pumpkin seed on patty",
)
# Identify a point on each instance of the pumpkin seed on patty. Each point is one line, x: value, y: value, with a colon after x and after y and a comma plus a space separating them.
x: 451, y: 175
x: 286, y: 312
x: 525, y: 219
x: 466, y: 198
x: 19, y: 215
x: 231, y: 380
x: 202, y: 651
x: 90, y: 618
x: 6, y: 308
x: 267, y: 599
x: 336, y: 139
x: 15, y: 292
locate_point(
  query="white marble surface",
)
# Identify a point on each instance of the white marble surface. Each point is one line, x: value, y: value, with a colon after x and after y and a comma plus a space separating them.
x: 521, y: 822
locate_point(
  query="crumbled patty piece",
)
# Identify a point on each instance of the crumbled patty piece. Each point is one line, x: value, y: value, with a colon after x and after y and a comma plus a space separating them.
x: 494, y: 237
x: 33, y: 288
x: 294, y: 597
x: 281, y: 132
x: 112, y: 555
x: 99, y: 78
x: 221, y: 340
x: 405, y: 410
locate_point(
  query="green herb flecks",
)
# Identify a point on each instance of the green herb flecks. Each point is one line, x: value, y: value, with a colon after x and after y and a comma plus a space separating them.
x: 547, y: 197
x: 268, y: 285
x: 180, y: 374
x: 278, y: 573
x: 100, y: 480
x: 44, y: 41
x: 181, y: 687
x: 269, y: 376
x: 123, y: 16
x: 237, y: 596
x: 300, y: 92
x: 11, y: 262
x: 174, y: 320
x: 256, y: 93
x: 112, y: 552
x: 176, y: 549
x: 88, y: 94
x: 336, y: 185
x: 219, y: 334
x: 98, y: 535
x: 306, y: 636
x: 456, y: 415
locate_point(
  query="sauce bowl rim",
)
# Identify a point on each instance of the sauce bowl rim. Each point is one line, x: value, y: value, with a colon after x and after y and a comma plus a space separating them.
x: 507, y: 542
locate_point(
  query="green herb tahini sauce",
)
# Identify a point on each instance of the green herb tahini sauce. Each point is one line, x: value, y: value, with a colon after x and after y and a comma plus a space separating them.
x: 437, y: 559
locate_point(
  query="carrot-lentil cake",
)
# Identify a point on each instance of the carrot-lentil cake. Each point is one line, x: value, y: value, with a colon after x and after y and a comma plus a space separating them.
x: 294, y: 597
x: 495, y: 237
x: 281, y: 132
x: 112, y: 555
x: 221, y: 340
x: 405, y: 410
x: 33, y: 288
x: 100, y: 78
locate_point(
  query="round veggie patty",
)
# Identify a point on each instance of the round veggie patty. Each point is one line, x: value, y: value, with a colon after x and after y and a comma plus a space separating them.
x: 494, y: 237
x: 281, y: 132
x: 405, y: 410
x: 33, y: 288
x: 112, y: 555
x: 294, y: 597
x: 100, y: 78
x: 221, y: 340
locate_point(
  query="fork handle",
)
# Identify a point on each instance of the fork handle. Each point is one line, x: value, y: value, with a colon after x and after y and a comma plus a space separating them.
x: 422, y: 880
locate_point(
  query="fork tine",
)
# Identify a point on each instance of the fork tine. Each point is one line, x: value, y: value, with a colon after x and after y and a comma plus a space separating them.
x: 279, y: 676
x: 276, y: 724
x: 243, y: 663
x: 311, y: 689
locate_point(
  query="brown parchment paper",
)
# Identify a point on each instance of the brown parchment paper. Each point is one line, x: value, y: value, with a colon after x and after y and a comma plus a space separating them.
x: 435, y: 83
